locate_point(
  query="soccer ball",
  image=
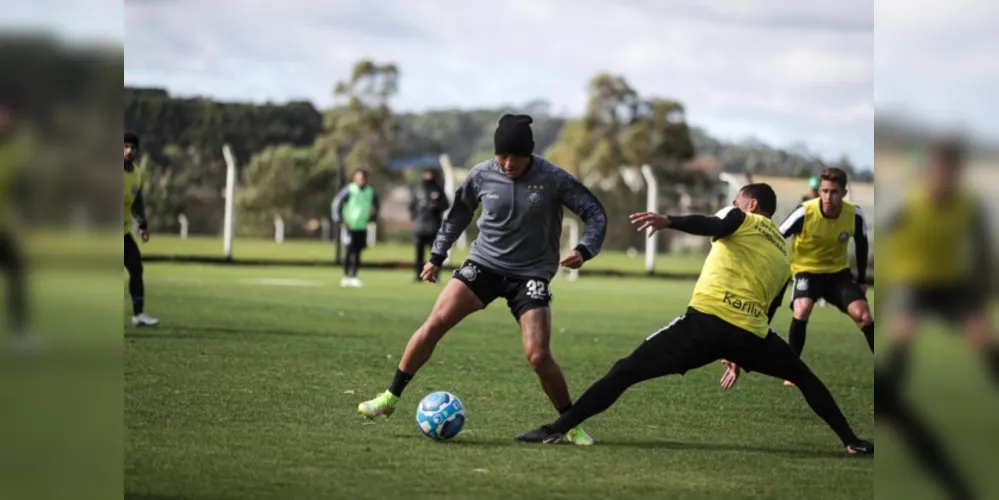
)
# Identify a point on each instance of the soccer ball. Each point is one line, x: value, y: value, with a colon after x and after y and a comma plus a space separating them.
x: 440, y: 416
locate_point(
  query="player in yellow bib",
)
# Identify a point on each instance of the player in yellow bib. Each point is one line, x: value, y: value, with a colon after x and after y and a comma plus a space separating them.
x: 135, y: 213
x: 740, y: 289
x: 822, y: 229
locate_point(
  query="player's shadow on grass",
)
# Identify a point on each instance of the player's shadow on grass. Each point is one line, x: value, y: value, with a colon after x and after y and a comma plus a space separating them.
x: 713, y: 447
x: 183, y: 332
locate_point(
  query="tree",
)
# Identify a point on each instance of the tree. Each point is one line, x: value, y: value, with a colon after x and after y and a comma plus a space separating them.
x: 360, y: 130
x: 291, y: 182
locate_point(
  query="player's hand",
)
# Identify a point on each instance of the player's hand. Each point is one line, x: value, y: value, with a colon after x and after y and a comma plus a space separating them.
x: 863, y: 289
x: 731, y: 376
x: 647, y: 220
x: 572, y: 260
x: 144, y: 235
x: 429, y: 273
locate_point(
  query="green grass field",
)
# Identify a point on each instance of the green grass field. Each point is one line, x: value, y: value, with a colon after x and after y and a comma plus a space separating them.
x: 309, y: 250
x: 249, y: 390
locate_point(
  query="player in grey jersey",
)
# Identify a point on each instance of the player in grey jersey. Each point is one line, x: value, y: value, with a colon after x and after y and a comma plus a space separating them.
x: 514, y: 257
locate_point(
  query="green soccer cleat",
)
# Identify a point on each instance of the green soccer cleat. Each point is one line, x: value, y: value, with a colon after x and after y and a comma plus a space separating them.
x: 578, y: 436
x: 384, y: 404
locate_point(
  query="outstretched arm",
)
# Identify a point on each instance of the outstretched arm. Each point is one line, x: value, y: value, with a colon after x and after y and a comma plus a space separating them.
x: 582, y: 202
x: 722, y: 224
x: 466, y: 200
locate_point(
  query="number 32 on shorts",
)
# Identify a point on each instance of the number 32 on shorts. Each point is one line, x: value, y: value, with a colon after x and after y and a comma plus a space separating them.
x: 537, y: 289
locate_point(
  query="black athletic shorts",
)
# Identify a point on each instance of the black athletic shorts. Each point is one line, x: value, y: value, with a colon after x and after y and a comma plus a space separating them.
x: 357, y: 239
x: 954, y: 302
x: 10, y: 253
x: 839, y: 289
x: 521, y: 294
x: 696, y: 339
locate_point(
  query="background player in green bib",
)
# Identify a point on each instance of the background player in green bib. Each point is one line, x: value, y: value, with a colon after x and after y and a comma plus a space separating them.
x: 135, y: 213
x: 353, y: 208
x: 740, y: 289
x: 13, y: 158
x: 822, y: 229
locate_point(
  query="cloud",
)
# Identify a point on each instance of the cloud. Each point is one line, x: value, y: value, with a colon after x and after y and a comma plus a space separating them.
x: 781, y: 71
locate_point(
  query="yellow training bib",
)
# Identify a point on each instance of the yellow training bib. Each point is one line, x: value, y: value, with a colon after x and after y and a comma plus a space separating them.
x: 743, y: 275
x: 823, y: 245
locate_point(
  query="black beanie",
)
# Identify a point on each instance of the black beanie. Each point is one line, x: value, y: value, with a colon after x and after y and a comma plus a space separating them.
x: 132, y: 138
x: 514, y: 136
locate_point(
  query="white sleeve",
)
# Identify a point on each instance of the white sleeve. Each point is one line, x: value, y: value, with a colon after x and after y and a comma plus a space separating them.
x: 791, y: 220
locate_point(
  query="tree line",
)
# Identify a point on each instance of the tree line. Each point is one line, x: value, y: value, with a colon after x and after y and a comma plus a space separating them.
x: 291, y: 154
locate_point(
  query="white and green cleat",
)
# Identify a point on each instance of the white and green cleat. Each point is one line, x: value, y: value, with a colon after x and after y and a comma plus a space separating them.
x: 578, y: 436
x: 384, y: 404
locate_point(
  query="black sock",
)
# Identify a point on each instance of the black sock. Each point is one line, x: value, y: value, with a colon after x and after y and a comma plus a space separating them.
x: 869, y: 333
x: 796, y: 334
x: 563, y: 411
x: 928, y: 451
x: 399, y: 383
x: 138, y: 305
x: 993, y: 360
x: 897, y: 363
x: 823, y: 404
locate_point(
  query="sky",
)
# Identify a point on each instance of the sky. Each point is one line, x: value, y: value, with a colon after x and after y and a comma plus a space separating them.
x: 784, y: 72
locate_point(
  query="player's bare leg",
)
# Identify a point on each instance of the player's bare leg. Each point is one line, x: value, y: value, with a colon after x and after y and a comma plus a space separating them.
x: 979, y: 332
x: 860, y: 313
x: 536, y: 327
x: 454, y: 304
x: 799, y: 327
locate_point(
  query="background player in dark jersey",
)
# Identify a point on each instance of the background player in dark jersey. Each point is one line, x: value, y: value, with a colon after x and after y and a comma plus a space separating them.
x: 820, y: 266
x: 135, y: 211
x: 514, y: 257
x: 13, y: 156
x: 740, y: 289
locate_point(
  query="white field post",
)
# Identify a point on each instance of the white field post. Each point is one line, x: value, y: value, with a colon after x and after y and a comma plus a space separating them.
x: 652, y: 205
x: 573, y: 241
x: 372, y: 233
x: 183, y: 226
x: 449, y: 187
x: 278, y: 229
x: 229, y: 226
x: 325, y: 230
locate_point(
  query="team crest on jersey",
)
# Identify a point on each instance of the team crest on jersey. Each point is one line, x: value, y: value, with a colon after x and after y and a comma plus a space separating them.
x: 469, y: 273
x: 535, y: 199
x: 844, y: 236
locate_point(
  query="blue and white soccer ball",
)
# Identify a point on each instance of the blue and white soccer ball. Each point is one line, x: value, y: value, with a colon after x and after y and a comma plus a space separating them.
x: 440, y: 416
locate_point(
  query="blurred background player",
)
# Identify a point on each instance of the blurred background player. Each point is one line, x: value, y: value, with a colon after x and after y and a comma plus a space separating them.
x: 135, y: 213
x: 353, y: 208
x: 939, y: 260
x: 813, y: 189
x: 427, y: 204
x: 13, y: 155
x: 820, y: 266
x: 515, y: 256
x: 741, y: 287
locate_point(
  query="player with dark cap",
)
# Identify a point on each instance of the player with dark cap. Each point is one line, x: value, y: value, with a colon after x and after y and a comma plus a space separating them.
x: 740, y: 289
x: 135, y: 213
x: 514, y: 257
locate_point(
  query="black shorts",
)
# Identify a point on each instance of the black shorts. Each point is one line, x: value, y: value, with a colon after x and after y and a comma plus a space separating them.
x: 357, y: 239
x: 839, y: 289
x: 521, y: 294
x: 10, y: 253
x: 696, y: 339
x: 954, y: 302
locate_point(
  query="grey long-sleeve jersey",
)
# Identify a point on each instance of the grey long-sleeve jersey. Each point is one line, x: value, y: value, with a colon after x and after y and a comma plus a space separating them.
x: 520, y: 227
